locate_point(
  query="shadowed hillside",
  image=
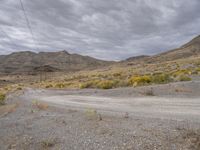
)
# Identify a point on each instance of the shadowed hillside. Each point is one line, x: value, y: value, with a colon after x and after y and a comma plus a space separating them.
x: 21, y: 62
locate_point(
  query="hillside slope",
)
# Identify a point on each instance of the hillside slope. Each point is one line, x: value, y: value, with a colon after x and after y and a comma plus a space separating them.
x: 190, y: 49
x: 19, y: 62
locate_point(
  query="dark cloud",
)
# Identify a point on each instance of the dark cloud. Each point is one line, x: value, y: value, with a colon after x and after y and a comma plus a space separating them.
x: 106, y: 29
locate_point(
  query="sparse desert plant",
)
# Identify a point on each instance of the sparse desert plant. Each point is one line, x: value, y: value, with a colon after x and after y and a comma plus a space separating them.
x: 198, y: 70
x: 184, y: 78
x: 2, y: 99
x: 161, y: 78
x: 91, y: 113
x: 123, y: 83
x: 106, y: 84
x: 140, y: 80
x: 19, y: 88
x: 60, y: 85
x: 182, y: 72
x: 118, y: 74
x: 89, y: 84
x: 49, y: 86
x: 39, y: 105
x: 85, y: 85
x: 48, y: 143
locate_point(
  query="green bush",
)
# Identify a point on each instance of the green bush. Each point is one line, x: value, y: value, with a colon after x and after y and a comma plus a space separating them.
x: 2, y: 99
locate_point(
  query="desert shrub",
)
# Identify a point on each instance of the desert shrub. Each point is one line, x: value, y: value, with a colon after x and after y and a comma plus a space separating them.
x: 2, y: 99
x: 19, y: 88
x: 198, y: 69
x: 91, y: 113
x: 89, y: 84
x: 123, y: 83
x: 101, y: 84
x: 85, y: 85
x: 182, y: 72
x: 106, y: 84
x: 161, y: 78
x: 184, y: 78
x: 60, y: 85
x: 195, y: 72
x: 49, y: 86
x: 48, y: 143
x: 117, y: 74
x: 140, y: 80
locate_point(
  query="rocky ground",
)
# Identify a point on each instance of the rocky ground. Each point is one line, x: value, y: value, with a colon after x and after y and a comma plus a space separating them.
x: 32, y: 120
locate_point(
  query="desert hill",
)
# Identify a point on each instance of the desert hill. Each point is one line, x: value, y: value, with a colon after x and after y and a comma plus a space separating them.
x: 190, y: 49
x: 27, y: 61
x: 30, y: 62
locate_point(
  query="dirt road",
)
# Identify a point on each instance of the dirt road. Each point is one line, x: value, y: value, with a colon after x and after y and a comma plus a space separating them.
x: 130, y: 119
x: 149, y: 106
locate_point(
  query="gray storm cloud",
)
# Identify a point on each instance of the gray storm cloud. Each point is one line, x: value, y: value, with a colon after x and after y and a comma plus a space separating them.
x: 105, y: 29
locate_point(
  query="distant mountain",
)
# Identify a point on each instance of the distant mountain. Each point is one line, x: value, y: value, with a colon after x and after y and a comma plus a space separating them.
x: 30, y: 62
x: 190, y: 49
x: 137, y: 58
x: 27, y: 62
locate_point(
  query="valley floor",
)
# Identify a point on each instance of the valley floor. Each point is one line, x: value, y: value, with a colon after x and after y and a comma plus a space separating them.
x: 152, y: 117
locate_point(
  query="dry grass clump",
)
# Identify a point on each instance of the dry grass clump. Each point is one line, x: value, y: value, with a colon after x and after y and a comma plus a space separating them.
x: 48, y: 143
x: 161, y: 78
x: 184, y: 78
x: 60, y: 85
x: 86, y: 85
x: 182, y: 72
x: 40, y: 105
x: 106, y: 84
x: 101, y: 84
x: 140, y: 80
x: 49, y: 86
x: 91, y: 113
x: 2, y: 98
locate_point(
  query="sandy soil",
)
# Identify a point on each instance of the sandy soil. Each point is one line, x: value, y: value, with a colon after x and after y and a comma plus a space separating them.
x: 154, y: 117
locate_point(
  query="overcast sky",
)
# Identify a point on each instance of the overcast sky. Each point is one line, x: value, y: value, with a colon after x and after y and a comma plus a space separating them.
x: 105, y: 29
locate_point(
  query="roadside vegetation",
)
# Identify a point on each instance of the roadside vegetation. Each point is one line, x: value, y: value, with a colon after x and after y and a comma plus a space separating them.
x: 2, y: 99
x: 122, y: 75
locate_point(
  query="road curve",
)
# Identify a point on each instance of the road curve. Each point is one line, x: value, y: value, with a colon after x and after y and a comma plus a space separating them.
x: 152, y: 106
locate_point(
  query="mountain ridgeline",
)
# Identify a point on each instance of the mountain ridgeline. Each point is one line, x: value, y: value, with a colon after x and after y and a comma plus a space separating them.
x: 30, y: 62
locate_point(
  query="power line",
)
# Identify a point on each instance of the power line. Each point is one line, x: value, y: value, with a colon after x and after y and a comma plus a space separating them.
x: 31, y: 31
x: 27, y: 21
